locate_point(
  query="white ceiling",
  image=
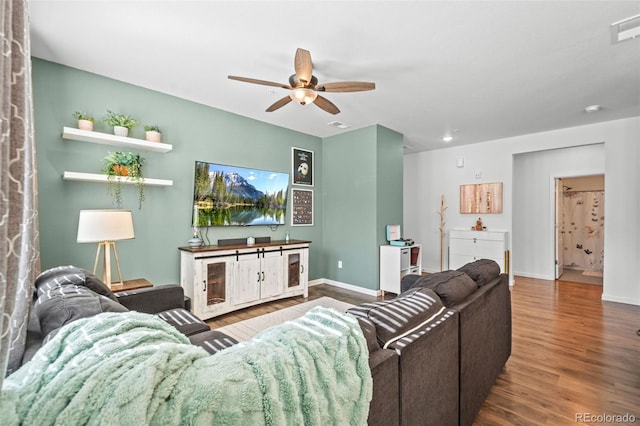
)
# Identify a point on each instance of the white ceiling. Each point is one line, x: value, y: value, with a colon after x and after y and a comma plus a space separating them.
x: 484, y: 70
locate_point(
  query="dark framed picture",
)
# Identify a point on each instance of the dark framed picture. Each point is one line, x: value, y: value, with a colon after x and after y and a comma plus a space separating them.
x: 302, y: 207
x: 301, y: 166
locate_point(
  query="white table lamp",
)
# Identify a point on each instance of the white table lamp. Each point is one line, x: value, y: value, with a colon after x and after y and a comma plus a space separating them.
x: 105, y: 227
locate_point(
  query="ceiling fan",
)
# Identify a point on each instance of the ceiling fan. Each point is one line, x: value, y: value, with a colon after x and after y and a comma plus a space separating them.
x: 304, y: 87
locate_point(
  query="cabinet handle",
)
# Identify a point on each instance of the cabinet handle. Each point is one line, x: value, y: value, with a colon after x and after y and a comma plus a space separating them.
x: 474, y: 241
x: 262, y: 275
x: 258, y: 277
x: 204, y: 285
x: 301, y: 268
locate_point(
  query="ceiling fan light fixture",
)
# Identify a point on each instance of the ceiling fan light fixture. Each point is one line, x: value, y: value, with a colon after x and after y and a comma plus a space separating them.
x: 303, y: 95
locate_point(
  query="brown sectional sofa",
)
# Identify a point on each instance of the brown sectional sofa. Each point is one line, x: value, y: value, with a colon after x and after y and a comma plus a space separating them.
x: 434, y: 351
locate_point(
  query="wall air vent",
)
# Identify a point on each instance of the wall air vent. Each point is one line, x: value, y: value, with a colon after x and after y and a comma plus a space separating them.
x: 339, y: 125
x: 625, y: 29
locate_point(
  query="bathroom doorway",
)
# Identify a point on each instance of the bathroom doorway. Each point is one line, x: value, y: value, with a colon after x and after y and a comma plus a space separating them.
x: 580, y: 227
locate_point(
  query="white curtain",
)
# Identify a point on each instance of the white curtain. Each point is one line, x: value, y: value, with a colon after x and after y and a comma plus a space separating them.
x: 583, y: 227
x: 19, y: 254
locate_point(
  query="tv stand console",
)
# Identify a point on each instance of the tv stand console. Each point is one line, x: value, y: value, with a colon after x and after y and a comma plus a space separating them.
x: 222, y: 279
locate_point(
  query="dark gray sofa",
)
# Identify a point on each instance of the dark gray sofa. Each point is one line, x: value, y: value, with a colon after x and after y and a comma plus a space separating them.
x: 67, y: 293
x: 434, y: 351
x: 484, y: 327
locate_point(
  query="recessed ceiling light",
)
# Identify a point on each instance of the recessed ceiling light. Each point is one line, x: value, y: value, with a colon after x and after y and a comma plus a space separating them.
x: 593, y: 108
x: 447, y: 138
x: 338, y: 124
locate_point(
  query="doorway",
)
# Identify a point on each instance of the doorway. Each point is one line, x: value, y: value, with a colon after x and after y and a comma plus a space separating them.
x: 580, y: 225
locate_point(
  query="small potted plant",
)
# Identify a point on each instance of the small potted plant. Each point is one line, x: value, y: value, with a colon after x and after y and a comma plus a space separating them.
x: 85, y: 122
x: 123, y: 165
x: 121, y: 123
x: 153, y: 133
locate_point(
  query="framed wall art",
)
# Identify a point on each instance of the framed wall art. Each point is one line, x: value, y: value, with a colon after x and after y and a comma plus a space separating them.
x: 485, y: 198
x: 301, y: 207
x: 301, y: 166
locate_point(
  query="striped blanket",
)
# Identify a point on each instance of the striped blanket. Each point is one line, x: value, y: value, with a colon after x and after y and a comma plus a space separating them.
x: 133, y: 368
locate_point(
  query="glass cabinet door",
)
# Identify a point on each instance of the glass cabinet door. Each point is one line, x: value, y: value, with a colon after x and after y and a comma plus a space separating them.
x: 215, y: 286
x: 294, y: 266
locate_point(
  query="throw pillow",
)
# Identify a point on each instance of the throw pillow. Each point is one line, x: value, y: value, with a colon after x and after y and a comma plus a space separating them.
x: 452, y: 287
x: 482, y: 271
x: 67, y: 293
x: 69, y: 274
x: 397, y: 316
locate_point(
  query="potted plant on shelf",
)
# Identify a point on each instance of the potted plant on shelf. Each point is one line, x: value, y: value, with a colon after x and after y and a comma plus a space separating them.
x: 85, y: 122
x: 121, y: 123
x: 153, y: 133
x: 123, y: 165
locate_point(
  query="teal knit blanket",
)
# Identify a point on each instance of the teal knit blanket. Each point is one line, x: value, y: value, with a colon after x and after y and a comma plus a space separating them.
x: 135, y: 369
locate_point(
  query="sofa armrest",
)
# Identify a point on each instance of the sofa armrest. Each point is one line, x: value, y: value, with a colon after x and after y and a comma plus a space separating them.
x: 408, y: 281
x: 485, y: 343
x: 152, y: 300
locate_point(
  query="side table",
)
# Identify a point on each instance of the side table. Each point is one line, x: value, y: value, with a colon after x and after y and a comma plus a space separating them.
x: 131, y: 284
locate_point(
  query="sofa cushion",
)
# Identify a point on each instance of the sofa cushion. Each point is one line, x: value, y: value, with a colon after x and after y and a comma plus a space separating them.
x: 212, y: 341
x: 69, y: 274
x: 397, y: 316
x: 186, y: 323
x: 62, y: 304
x: 482, y: 271
x: 452, y: 287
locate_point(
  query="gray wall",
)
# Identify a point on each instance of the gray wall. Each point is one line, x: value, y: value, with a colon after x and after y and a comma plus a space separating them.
x: 357, y: 182
x: 162, y: 225
x: 363, y: 192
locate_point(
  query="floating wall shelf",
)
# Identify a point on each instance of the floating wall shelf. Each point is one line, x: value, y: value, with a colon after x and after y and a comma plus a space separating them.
x: 108, y: 139
x: 92, y: 177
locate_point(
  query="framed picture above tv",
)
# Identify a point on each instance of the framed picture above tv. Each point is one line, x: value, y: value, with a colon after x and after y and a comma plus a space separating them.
x: 302, y: 166
x: 237, y: 196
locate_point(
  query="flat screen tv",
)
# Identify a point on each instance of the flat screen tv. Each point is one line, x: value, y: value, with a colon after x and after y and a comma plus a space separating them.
x: 236, y: 196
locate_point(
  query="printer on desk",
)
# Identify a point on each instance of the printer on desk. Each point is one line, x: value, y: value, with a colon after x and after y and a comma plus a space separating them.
x: 394, y: 236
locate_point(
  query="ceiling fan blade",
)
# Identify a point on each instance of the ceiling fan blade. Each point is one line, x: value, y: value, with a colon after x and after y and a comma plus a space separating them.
x: 256, y: 81
x: 346, y: 86
x: 326, y: 105
x: 303, y: 65
x: 279, y: 104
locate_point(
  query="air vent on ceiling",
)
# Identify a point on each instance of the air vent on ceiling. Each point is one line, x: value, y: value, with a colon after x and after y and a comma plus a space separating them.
x: 339, y: 125
x: 625, y: 29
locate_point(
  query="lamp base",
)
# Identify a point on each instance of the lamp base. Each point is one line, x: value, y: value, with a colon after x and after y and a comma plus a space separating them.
x: 106, y: 264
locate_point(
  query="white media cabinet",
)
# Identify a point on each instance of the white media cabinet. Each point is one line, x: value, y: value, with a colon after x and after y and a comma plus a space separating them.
x: 468, y: 246
x: 396, y: 262
x: 221, y: 279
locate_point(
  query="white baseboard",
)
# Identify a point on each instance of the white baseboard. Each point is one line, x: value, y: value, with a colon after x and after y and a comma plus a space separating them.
x: 628, y: 301
x: 351, y: 287
x: 536, y: 276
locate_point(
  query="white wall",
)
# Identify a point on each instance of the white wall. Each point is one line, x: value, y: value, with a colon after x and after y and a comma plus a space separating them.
x: 427, y: 175
x: 534, y: 204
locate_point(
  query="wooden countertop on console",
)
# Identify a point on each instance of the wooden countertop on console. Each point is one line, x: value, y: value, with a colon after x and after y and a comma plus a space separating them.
x: 275, y: 243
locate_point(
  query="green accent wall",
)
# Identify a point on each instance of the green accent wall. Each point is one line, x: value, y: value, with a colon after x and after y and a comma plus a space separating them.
x: 357, y: 178
x: 197, y: 132
x: 362, y: 194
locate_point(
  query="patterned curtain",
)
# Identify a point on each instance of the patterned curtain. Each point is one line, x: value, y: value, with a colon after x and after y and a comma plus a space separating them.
x: 19, y: 253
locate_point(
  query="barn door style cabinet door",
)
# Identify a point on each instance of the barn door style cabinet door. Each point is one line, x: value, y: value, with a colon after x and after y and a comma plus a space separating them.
x: 469, y: 246
x: 221, y: 279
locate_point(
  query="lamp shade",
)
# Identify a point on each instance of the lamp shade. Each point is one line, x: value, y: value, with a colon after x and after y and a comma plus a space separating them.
x: 105, y: 225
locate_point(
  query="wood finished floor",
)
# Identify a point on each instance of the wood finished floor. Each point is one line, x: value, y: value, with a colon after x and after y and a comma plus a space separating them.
x: 572, y: 353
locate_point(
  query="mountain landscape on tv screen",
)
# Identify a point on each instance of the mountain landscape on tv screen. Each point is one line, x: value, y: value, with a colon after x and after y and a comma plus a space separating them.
x: 228, y: 195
